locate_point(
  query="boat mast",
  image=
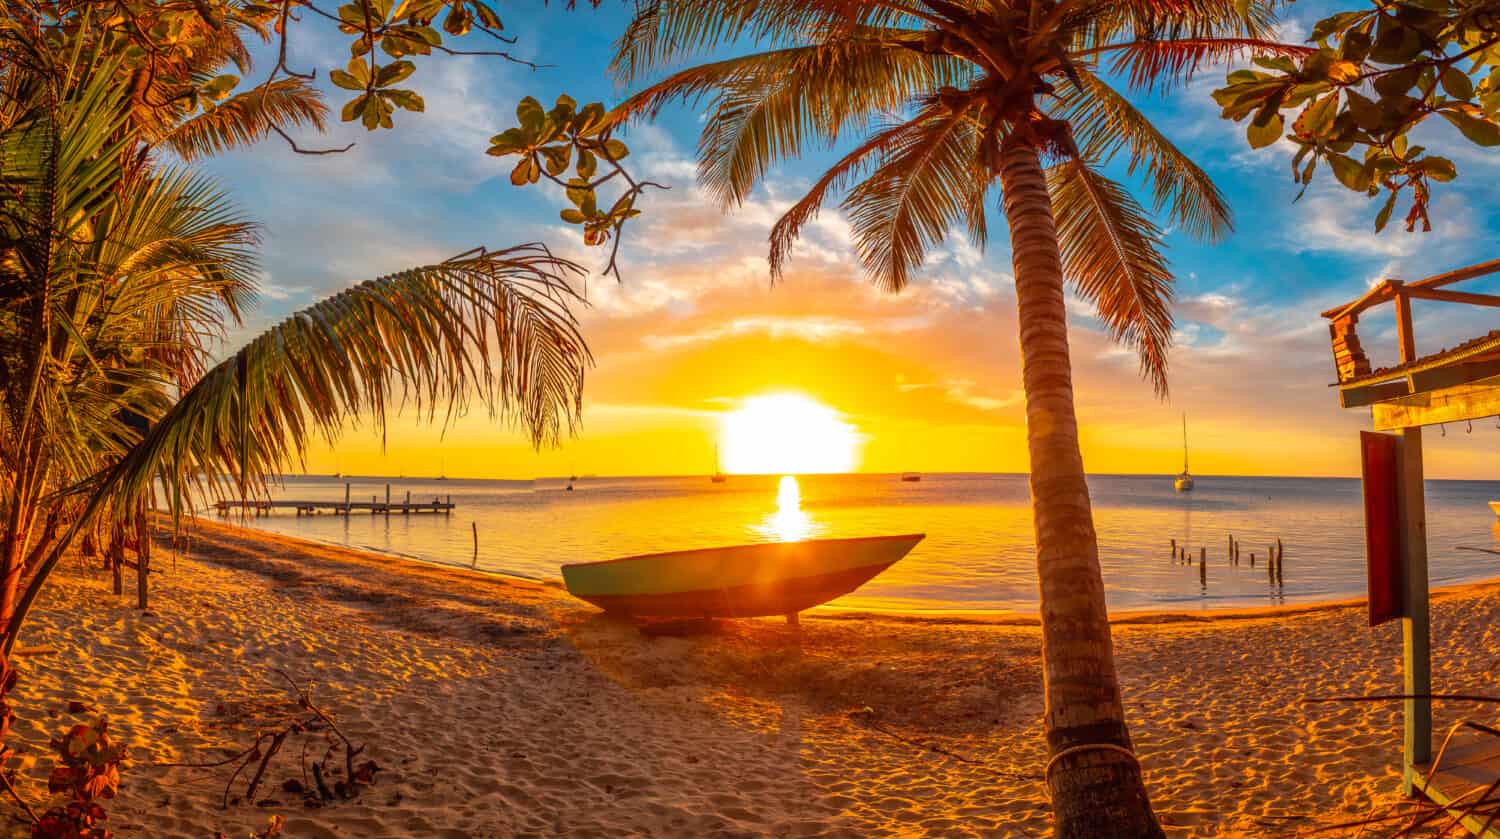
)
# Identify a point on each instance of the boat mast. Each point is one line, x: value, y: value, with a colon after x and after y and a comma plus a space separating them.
x: 1184, y: 444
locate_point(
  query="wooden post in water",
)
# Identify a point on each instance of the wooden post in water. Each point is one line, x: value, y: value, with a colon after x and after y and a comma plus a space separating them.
x: 1203, y: 571
x: 407, y: 508
x: 1252, y: 560
x: 387, y: 499
x: 1202, y: 555
x: 346, y: 498
x: 1271, y: 565
x: 475, y: 525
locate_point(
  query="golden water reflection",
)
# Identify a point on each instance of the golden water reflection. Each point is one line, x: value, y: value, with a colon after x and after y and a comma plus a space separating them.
x: 790, y: 523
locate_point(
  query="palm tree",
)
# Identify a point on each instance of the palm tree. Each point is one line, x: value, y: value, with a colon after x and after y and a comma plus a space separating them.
x: 180, y: 92
x: 954, y: 98
x: 115, y: 276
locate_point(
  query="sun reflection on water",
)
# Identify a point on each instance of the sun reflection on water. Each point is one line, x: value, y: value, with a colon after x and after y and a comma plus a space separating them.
x: 790, y: 523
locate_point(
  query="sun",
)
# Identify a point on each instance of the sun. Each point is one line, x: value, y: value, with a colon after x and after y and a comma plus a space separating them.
x: 787, y: 434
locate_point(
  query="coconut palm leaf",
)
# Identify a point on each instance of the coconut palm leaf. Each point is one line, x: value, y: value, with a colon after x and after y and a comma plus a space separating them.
x: 921, y: 190
x: 1105, y: 123
x: 767, y: 105
x: 496, y: 326
x: 1111, y: 253
x: 245, y: 118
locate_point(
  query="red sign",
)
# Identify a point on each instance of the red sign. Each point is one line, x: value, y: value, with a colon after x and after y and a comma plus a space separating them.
x: 1381, y: 458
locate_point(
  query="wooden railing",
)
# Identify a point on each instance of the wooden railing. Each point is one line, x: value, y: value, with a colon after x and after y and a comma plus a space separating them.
x: 1348, y: 356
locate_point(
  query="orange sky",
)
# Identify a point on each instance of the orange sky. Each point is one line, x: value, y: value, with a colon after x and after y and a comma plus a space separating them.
x: 929, y: 379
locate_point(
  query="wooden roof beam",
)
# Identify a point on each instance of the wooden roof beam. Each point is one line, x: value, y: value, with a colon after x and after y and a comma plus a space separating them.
x: 1472, y: 401
x: 1453, y: 296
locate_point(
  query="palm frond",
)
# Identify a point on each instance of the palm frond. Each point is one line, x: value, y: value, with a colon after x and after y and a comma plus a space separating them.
x: 1111, y: 252
x: 1105, y: 123
x: 921, y: 189
x: 1161, y: 65
x: 662, y: 33
x: 498, y: 326
x: 247, y: 117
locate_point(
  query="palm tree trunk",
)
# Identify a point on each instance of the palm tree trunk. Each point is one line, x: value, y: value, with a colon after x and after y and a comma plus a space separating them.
x: 1093, y: 777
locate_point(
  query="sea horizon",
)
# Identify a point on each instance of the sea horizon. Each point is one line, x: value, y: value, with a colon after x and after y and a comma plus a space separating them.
x: 979, y: 552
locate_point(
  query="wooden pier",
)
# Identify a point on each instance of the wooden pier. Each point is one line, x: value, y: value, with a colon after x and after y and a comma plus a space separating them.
x: 374, y: 507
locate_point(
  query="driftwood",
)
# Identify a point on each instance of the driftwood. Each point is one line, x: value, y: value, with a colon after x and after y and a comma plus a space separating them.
x: 274, y: 730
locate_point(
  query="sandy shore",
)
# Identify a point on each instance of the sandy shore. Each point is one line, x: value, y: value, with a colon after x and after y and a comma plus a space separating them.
x: 500, y: 707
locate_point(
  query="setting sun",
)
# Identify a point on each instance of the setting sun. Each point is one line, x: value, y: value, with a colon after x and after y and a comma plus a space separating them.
x: 787, y: 433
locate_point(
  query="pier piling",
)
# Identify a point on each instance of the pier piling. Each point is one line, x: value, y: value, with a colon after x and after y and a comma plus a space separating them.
x: 475, y: 526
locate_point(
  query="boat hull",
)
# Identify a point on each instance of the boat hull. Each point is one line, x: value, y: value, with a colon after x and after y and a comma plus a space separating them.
x: 777, y: 578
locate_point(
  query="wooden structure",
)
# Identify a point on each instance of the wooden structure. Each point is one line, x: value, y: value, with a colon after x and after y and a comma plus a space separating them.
x: 1458, y: 384
x: 260, y: 507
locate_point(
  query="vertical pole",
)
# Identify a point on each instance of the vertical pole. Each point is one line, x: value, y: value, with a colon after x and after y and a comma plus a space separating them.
x: 346, y: 499
x: 387, y: 499
x: 1416, y: 661
x: 475, y: 526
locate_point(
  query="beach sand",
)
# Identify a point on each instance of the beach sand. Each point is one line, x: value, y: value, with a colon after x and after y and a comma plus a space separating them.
x: 501, y: 707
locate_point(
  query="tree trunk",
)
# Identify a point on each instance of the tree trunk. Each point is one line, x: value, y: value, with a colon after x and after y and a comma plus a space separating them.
x: 1094, y: 780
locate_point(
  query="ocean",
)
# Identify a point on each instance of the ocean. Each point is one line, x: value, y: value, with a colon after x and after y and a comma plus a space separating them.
x: 978, y: 553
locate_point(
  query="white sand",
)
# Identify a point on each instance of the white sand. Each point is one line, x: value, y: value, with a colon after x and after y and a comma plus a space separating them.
x: 504, y: 708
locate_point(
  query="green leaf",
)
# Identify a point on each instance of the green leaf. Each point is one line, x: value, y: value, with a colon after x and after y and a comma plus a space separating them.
x: 1318, y: 119
x: 394, y: 72
x: 220, y: 86
x: 1383, y: 217
x: 1367, y: 115
x: 572, y: 216
x: 615, y: 149
x: 354, y: 108
x: 406, y: 99
x: 1456, y: 83
x: 344, y: 80
x: 557, y: 157
x: 360, y: 71
x: 587, y: 163
x: 522, y: 173
x: 1262, y: 135
x: 1349, y: 172
x: 589, y: 119
x: 530, y: 113
x: 1439, y: 168
x: 1479, y: 130
x: 509, y: 141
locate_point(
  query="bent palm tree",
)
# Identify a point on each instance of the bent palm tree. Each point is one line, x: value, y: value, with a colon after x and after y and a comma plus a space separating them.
x: 956, y: 97
x: 115, y: 275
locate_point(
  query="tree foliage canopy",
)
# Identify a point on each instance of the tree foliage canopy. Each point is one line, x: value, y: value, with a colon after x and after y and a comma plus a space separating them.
x: 1355, y: 99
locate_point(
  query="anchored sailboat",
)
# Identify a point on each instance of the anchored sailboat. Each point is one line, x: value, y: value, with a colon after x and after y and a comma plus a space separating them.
x: 718, y: 476
x: 1184, y: 482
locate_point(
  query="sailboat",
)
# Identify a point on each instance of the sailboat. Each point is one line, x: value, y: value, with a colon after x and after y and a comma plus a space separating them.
x: 718, y: 476
x: 1184, y: 482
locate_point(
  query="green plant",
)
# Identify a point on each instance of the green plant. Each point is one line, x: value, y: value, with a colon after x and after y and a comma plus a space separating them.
x: 1372, y: 77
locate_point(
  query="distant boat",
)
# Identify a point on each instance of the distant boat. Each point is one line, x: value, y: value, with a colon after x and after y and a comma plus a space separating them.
x: 776, y: 578
x: 1184, y: 482
x: 910, y: 477
x: 718, y: 476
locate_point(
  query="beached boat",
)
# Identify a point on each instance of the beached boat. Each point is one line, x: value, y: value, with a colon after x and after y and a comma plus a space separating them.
x: 1184, y: 482
x: 776, y: 578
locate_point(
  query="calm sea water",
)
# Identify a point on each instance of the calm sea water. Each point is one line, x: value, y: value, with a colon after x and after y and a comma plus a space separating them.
x: 979, y: 548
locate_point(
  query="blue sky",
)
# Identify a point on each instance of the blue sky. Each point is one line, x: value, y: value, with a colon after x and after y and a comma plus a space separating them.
x: 1251, y: 365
